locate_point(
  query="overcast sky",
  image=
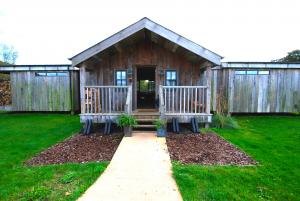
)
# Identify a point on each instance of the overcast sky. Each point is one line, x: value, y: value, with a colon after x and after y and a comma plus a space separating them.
x: 50, y: 32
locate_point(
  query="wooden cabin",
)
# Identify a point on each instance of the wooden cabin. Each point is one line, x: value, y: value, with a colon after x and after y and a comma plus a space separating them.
x: 146, y: 67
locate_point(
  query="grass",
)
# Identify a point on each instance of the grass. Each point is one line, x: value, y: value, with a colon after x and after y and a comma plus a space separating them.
x: 274, y: 141
x: 24, y: 135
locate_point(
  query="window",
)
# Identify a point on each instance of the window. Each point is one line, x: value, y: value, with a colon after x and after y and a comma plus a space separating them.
x: 171, y: 78
x: 240, y: 72
x: 51, y: 74
x: 263, y: 72
x: 252, y: 72
x: 121, y: 78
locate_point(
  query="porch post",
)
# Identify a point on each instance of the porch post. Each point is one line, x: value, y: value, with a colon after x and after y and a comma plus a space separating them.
x: 82, y: 85
x: 208, y: 91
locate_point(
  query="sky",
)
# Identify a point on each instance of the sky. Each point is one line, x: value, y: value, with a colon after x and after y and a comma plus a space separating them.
x: 50, y: 32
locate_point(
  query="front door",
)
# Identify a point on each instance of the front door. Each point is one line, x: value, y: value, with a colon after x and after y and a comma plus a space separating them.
x: 145, y: 87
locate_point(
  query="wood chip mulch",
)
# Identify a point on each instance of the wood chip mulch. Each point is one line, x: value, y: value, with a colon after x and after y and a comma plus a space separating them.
x: 205, y: 149
x: 79, y: 149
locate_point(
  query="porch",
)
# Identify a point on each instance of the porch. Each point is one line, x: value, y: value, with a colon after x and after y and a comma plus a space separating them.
x: 182, y: 102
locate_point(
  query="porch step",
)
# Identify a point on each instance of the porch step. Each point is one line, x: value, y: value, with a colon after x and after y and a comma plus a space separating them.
x: 145, y: 126
x: 142, y: 120
x: 145, y: 120
x: 147, y: 116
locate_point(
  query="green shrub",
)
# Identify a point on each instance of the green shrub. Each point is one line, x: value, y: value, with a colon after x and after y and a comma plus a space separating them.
x: 37, y: 193
x: 222, y: 121
x: 159, y: 123
x: 205, y: 130
x: 125, y: 120
x: 67, y: 178
x: 4, y: 77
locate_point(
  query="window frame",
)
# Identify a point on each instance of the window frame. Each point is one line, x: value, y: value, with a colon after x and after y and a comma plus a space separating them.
x: 171, y: 80
x: 51, y: 74
x: 121, y: 79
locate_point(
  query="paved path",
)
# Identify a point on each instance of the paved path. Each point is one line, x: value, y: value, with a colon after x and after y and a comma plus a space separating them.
x: 140, y: 170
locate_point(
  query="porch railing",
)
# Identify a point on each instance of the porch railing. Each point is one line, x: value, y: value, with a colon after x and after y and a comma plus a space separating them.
x: 107, y: 99
x: 177, y: 100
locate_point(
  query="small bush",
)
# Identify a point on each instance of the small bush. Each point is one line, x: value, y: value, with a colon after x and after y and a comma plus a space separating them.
x: 67, y: 178
x: 222, y: 121
x: 205, y: 130
x: 126, y: 120
x: 159, y: 123
x: 37, y: 193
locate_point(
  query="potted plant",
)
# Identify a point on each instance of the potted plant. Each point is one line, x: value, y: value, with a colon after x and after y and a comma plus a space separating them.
x: 126, y: 122
x: 160, y: 126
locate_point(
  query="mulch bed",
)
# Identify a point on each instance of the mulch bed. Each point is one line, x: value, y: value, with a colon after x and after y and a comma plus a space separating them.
x: 205, y: 149
x: 79, y: 149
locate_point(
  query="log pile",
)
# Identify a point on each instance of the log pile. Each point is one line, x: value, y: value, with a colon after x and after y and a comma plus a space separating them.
x: 5, y: 92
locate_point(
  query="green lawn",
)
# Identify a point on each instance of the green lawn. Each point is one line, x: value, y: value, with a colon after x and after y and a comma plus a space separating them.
x: 274, y: 141
x: 24, y: 135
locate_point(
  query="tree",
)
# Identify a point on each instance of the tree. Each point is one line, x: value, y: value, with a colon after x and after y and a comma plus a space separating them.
x: 293, y: 56
x: 8, y: 54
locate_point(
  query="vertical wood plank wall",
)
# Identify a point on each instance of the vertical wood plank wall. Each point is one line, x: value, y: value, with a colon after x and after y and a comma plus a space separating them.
x: 278, y: 92
x: 39, y: 93
x: 146, y: 54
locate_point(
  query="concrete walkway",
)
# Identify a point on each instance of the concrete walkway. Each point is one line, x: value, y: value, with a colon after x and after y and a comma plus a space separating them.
x: 140, y: 170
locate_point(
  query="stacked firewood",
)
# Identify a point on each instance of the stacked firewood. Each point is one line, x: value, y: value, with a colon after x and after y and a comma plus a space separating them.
x: 5, y: 92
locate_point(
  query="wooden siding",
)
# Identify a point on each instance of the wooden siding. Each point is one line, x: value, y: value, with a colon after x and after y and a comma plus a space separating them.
x: 39, y: 93
x: 145, y: 53
x: 278, y: 92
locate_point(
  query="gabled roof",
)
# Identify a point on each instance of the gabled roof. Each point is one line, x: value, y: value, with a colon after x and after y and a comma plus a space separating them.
x: 146, y: 23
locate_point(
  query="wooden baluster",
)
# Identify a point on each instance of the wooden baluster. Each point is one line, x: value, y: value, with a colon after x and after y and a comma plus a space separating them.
x: 88, y: 100
x: 109, y: 99
x: 165, y: 99
x: 173, y: 100
x: 196, y: 100
x: 199, y: 100
x: 203, y: 100
x: 188, y: 105
x: 98, y: 97
x: 184, y: 100
x: 180, y: 99
x: 102, y: 100
x: 169, y: 100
